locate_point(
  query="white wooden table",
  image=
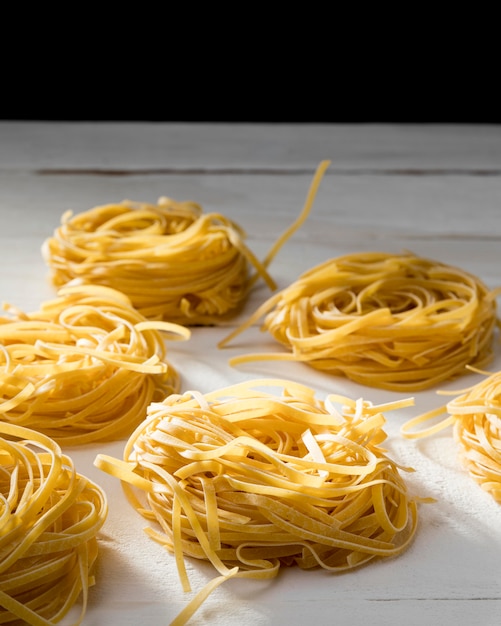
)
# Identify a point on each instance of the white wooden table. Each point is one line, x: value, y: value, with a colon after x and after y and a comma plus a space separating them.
x: 433, y: 190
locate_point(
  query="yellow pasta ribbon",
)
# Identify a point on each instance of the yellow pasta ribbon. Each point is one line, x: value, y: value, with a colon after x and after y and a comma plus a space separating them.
x: 263, y: 474
x: 475, y: 417
x: 393, y: 321
x: 50, y: 517
x: 85, y: 366
x: 171, y: 259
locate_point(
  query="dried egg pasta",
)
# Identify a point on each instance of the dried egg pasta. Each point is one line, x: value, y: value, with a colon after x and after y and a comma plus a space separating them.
x: 252, y: 480
x: 475, y: 415
x: 394, y: 321
x: 85, y: 366
x: 172, y: 260
x: 49, y: 520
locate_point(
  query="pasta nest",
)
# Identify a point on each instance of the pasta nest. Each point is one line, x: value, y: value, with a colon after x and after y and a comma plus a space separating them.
x: 252, y: 480
x: 172, y: 260
x: 475, y: 415
x: 394, y: 321
x: 85, y: 366
x: 50, y: 517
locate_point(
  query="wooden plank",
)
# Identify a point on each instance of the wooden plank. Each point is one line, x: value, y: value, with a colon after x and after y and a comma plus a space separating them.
x: 121, y: 147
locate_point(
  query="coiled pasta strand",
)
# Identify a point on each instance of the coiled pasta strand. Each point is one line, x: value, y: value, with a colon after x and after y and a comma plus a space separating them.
x: 85, y: 366
x: 252, y: 480
x: 50, y: 517
x: 394, y: 321
x: 475, y: 417
x: 171, y: 259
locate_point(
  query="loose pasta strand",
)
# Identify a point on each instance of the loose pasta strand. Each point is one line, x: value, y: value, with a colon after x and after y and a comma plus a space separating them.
x: 310, y: 198
x: 263, y: 474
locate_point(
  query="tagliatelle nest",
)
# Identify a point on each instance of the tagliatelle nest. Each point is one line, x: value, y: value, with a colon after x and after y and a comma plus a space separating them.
x: 85, y: 366
x: 172, y: 260
x: 394, y: 321
x: 475, y: 415
x: 252, y: 480
x: 49, y: 520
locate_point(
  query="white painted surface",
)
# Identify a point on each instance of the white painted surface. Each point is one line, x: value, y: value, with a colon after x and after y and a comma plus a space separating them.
x: 434, y: 190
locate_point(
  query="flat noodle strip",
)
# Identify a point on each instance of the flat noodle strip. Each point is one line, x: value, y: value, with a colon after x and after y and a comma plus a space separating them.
x: 85, y: 366
x: 172, y: 260
x: 475, y: 416
x: 299, y: 482
x: 393, y: 321
x: 50, y: 517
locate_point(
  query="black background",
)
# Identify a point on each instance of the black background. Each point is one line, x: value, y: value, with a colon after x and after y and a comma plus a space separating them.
x: 214, y: 88
x: 168, y: 72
